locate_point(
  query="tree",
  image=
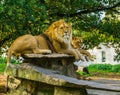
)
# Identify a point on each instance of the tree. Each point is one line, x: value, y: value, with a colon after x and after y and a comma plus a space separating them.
x: 19, y: 17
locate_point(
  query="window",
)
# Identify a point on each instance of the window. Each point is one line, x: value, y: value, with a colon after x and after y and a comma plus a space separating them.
x: 103, y: 56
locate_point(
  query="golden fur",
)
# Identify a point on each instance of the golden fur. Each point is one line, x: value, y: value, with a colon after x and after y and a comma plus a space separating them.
x: 60, y: 35
x: 85, y: 52
x: 24, y: 45
x: 77, y: 44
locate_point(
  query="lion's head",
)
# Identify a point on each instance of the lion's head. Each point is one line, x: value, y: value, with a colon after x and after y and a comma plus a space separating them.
x: 76, y: 42
x: 60, y: 31
x: 60, y: 34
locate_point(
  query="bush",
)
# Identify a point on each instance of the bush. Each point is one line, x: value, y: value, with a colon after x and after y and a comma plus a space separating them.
x: 116, y: 68
x: 3, y: 62
x: 104, y: 67
x: 2, y: 67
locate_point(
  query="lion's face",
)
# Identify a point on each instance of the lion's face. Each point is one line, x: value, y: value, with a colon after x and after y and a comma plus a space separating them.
x: 76, y: 42
x: 64, y: 31
x: 60, y: 31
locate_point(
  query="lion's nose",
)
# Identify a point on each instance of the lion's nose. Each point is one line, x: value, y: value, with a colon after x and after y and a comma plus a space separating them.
x: 66, y: 31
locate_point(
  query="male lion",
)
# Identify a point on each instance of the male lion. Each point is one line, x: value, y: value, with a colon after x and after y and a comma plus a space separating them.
x: 77, y: 44
x: 57, y: 38
x: 60, y: 34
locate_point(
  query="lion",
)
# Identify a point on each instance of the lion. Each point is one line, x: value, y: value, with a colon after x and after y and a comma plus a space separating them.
x: 57, y: 38
x: 77, y: 44
x: 25, y: 44
x: 60, y: 34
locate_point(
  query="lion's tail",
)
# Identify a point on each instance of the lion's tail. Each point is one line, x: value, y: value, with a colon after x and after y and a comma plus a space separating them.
x: 9, y: 57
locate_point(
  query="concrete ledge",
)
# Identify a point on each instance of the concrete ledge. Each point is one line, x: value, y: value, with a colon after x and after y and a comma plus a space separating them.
x: 51, y: 77
x: 52, y: 74
x: 53, y: 55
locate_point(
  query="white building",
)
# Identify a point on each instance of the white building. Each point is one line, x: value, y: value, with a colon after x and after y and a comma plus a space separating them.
x: 102, y: 54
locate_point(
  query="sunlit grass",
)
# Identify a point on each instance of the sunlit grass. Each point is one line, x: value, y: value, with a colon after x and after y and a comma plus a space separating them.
x: 3, y: 63
x: 105, y: 68
x: 2, y: 67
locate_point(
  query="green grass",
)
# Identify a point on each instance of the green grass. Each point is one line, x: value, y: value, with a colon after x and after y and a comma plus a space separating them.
x: 2, y: 67
x: 105, y: 68
x: 102, y: 70
x: 3, y: 62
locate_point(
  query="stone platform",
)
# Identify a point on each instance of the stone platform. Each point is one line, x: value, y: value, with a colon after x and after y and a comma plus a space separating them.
x: 31, y: 79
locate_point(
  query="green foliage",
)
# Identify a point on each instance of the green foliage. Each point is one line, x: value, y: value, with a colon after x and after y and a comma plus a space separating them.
x: 3, y: 62
x: 2, y: 67
x: 19, y: 17
x: 104, y: 67
x: 83, y: 74
x: 116, y: 68
x: 111, y: 27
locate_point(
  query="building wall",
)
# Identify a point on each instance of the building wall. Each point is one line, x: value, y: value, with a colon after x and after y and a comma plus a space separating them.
x: 99, y: 58
x: 104, y: 54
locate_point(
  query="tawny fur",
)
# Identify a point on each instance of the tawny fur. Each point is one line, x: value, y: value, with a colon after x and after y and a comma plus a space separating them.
x: 60, y: 35
x: 77, y: 44
x: 25, y: 44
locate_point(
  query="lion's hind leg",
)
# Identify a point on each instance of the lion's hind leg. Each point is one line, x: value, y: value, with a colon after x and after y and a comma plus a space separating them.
x: 41, y: 51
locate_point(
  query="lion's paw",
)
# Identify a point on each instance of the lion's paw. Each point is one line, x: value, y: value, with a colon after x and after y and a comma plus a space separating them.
x: 49, y: 51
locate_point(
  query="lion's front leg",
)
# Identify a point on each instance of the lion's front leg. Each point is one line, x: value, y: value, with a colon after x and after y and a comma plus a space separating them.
x: 85, y: 52
x: 71, y: 52
x: 80, y: 55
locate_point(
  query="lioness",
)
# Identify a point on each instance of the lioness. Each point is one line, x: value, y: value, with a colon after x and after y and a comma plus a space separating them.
x: 59, y: 35
x: 77, y: 44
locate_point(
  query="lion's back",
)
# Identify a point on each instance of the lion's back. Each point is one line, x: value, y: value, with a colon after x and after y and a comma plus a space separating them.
x: 23, y: 42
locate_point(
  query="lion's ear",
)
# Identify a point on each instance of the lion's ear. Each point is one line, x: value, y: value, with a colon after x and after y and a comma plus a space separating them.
x: 62, y: 20
x: 57, y: 23
x: 54, y: 25
x: 74, y: 38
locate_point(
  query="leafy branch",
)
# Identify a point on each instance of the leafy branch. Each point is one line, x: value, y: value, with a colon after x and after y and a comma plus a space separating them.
x: 92, y: 9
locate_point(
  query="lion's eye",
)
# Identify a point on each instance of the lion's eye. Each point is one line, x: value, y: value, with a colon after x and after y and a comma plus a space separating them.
x: 61, y: 27
x: 67, y: 27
